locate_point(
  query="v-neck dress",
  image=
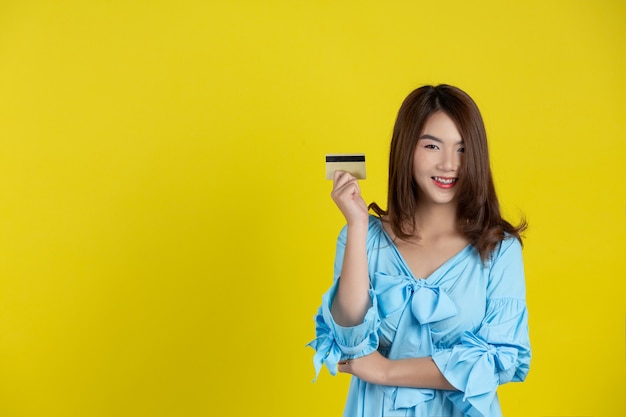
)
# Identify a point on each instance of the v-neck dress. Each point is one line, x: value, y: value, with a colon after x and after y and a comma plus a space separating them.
x: 470, y: 316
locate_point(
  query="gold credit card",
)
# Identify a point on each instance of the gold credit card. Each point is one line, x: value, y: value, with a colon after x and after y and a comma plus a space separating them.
x: 354, y: 163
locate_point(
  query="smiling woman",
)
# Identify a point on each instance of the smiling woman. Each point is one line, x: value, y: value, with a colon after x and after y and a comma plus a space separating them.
x: 428, y: 307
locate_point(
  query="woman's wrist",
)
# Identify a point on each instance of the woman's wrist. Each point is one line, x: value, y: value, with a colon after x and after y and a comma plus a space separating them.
x: 358, y: 226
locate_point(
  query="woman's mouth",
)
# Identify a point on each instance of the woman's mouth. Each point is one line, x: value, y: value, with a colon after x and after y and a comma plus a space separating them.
x: 444, y: 182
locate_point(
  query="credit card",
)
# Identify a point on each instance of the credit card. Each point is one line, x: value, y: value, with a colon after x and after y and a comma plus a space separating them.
x: 354, y: 163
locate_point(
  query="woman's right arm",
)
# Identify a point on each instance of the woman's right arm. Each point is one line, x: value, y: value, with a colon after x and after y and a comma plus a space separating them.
x: 352, y: 299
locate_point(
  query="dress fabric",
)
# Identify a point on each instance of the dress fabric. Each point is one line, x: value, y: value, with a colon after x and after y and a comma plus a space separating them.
x: 469, y: 315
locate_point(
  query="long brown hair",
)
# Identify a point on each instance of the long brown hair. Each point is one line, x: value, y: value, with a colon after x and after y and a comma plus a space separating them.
x: 478, y: 211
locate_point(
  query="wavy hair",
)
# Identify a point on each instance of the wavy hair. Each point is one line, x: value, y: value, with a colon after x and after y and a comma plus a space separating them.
x: 478, y: 212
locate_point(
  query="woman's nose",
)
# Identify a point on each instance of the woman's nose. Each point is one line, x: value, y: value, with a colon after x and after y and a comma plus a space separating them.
x: 449, y: 161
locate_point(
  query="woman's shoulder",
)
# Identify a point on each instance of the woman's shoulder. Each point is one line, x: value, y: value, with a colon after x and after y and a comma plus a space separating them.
x: 375, y: 222
x: 376, y: 228
x: 508, y: 244
x: 506, y: 270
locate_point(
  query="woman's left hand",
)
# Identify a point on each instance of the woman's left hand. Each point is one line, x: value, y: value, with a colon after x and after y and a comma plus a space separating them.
x: 371, y: 368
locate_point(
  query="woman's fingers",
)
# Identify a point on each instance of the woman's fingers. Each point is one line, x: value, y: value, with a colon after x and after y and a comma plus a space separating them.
x: 341, y: 178
x: 347, y: 195
x: 344, y: 366
x: 344, y: 181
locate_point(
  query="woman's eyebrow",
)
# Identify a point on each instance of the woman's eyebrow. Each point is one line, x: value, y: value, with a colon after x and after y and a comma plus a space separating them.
x: 430, y: 137
x: 436, y: 139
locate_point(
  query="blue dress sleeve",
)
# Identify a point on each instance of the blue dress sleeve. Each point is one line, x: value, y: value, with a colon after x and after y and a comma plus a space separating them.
x: 499, y: 350
x: 335, y: 342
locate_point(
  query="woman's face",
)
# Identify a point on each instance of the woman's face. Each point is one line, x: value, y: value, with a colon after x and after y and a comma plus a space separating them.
x: 437, y: 159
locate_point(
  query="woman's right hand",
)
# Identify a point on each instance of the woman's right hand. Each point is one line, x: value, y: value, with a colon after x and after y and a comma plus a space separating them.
x: 347, y: 195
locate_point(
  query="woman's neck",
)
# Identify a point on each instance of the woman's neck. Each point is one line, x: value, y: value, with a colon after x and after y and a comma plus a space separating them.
x: 435, y: 220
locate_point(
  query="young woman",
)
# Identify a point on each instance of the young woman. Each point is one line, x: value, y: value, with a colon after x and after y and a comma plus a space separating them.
x: 427, y: 310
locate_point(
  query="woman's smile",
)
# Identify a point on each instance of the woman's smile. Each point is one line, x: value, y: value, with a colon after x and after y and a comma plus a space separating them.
x: 444, y: 182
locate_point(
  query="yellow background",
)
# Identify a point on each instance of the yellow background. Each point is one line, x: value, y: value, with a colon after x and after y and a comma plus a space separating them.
x: 166, y: 232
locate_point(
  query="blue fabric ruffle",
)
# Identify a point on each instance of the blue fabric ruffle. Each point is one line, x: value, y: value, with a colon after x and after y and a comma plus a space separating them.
x: 335, y: 342
x: 473, y: 368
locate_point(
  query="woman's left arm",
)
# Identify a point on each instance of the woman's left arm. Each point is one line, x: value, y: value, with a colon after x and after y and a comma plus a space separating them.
x: 412, y: 372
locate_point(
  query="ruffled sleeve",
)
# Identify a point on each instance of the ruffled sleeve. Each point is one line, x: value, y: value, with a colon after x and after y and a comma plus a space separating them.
x: 335, y: 342
x: 499, y: 350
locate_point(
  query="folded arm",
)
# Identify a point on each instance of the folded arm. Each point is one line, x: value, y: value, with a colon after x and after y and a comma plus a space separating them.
x: 411, y: 372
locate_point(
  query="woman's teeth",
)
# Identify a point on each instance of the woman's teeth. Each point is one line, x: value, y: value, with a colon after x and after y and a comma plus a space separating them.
x: 445, y: 180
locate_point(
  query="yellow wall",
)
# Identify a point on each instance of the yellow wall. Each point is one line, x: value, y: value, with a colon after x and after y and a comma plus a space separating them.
x: 166, y: 231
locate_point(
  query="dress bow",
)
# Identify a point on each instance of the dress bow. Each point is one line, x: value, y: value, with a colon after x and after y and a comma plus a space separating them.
x: 429, y: 303
x: 480, y: 362
x: 327, y: 352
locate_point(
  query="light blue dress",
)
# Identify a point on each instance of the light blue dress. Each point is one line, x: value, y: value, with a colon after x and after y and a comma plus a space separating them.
x: 468, y: 315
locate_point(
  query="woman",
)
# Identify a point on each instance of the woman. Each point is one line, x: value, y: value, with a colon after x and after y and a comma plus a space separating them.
x: 427, y: 310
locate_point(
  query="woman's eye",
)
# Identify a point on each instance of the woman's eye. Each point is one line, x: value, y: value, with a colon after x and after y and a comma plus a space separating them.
x: 461, y: 150
x: 431, y: 146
